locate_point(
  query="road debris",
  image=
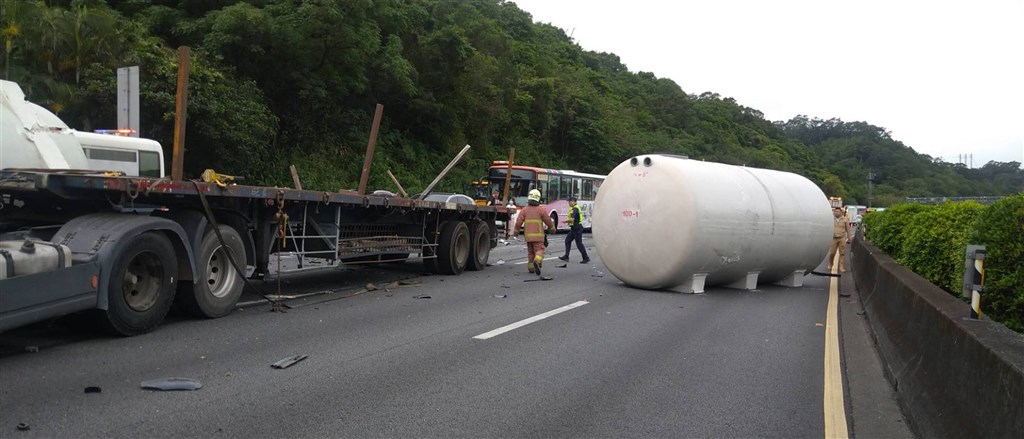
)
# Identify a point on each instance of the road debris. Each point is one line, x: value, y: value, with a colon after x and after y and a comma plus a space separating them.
x: 562, y: 266
x: 93, y: 389
x: 421, y: 296
x: 172, y: 384
x: 500, y: 262
x: 31, y: 348
x: 500, y: 296
x: 23, y: 427
x: 286, y: 362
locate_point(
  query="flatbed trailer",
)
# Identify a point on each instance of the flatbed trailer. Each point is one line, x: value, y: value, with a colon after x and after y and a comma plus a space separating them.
x: 133, y: 246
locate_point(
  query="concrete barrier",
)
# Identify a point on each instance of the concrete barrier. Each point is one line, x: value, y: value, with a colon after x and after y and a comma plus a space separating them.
x: 954, y: 377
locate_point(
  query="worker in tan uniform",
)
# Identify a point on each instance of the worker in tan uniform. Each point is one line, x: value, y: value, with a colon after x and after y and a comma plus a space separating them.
x: 533, y: 218
x: 840, y: 237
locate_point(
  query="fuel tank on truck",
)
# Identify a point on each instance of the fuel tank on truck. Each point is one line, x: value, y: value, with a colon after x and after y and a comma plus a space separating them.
x: 667, y: 222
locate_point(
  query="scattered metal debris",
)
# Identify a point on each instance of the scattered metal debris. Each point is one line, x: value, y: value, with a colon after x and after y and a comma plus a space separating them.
x: 421, y: 296
x: 286, y: 362
x: 505, y: 286
x: 172, y: 384
x: 23, y: 427
x: 537, y: 279
x: 93, y: 389
x: 500, y: 296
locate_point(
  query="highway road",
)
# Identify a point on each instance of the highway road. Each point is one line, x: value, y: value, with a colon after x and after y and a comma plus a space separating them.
x: 495, y: 353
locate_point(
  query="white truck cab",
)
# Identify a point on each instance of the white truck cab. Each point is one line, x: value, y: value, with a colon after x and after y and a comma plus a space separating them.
x: 31, y: 137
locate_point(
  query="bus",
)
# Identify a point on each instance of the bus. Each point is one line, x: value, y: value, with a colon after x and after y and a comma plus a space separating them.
x: 555, y: 185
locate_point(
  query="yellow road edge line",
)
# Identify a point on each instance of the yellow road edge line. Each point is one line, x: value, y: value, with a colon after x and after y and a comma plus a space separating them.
x: 834, y: 406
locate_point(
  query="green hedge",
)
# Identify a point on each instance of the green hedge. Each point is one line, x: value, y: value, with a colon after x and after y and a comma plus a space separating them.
x: 1000, y: 227
x: 932, y: 241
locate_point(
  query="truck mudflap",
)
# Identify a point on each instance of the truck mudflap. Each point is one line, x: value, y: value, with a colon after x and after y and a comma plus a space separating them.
x: 100, y: 237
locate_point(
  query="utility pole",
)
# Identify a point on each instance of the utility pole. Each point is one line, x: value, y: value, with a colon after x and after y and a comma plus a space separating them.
x: 871, y: 179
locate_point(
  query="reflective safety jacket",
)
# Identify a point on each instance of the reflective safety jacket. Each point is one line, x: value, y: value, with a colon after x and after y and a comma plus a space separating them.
x: 575, y: 216
x: 533, y: 219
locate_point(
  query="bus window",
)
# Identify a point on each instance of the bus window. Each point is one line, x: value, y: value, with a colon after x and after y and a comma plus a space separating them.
x: 588, y: 189
x: 576, y: 182
x: 553, y: 185
x: 149, y: 164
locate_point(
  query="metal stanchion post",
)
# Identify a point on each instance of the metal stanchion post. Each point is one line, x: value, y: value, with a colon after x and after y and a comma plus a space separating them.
x: 974, y: 277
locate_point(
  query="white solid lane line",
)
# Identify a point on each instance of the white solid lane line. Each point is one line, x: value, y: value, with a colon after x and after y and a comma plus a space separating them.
x: 546, y: 259
x: 525, y: 322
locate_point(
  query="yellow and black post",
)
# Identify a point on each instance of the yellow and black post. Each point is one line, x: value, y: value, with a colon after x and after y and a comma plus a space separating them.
x: 974, y: 277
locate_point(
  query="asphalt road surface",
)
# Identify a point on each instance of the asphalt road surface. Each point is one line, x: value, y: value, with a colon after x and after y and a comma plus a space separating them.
x: 495, y: 353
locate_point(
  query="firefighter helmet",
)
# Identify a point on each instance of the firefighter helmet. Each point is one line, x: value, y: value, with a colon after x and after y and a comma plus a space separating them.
x: 534, y: 195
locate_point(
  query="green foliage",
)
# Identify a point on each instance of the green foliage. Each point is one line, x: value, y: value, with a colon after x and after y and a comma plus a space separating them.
x: 888, y: 229
x: 1000, y: 228
x: 935, y: 241
x: 853, y: 149
x: 932, y: 241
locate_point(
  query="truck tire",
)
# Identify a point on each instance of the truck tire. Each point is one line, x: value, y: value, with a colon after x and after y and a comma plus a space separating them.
x: 142, y: 284
x: 453, y: 248
x: 479, y: 245
x: 218, y: 284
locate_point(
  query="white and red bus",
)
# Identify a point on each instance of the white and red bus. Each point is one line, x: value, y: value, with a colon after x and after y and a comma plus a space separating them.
x: 555, y: 185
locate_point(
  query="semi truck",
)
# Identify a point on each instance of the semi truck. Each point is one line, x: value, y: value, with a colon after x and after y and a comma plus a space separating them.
x: 130, y: 243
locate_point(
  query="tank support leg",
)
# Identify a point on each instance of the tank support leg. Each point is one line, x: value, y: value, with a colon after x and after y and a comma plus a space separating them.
x: 695, y: 284
x: 793, y: 280
x: 748, y: 282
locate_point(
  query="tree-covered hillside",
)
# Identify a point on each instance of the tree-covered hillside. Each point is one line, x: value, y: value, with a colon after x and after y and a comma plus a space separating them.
x: 278, y: 82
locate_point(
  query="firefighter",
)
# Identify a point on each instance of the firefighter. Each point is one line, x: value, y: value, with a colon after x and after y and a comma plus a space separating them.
x: 533, y: 219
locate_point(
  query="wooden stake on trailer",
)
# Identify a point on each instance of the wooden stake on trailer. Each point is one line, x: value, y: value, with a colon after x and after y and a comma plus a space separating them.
x: 180, y: 115
x: 444, y: 172
x: 295, y: 177
x: 369, y: 149
x: 508, y: 176
x: 400, y: 189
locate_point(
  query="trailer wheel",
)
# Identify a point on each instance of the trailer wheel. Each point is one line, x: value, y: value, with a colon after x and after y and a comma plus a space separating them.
x: 479, y: 245
x: 453, y: 248
x: 218, y: 285
x: 142, y: 284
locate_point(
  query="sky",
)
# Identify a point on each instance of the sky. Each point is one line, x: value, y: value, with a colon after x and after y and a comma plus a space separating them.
x: 945, y: 78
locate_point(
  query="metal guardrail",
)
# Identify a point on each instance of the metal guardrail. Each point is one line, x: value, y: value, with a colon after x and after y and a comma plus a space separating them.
x: 940, y: 200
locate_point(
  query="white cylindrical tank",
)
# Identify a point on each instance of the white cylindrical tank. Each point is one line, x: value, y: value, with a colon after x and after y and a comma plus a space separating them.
x: 666, y: 222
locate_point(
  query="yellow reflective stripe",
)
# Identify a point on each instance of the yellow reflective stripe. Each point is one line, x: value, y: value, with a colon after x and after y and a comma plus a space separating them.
x: 534, y: 234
